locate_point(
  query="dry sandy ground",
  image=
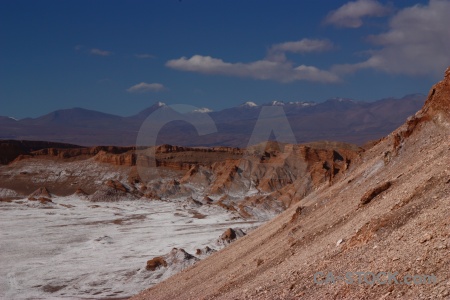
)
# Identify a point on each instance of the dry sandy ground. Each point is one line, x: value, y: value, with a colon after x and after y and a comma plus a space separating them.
x: 404, y: 229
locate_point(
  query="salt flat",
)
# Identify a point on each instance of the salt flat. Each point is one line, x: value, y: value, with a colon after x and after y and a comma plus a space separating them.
x: 76, y: 249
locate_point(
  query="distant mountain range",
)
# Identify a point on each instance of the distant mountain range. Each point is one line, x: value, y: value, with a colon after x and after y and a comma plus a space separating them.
x: 336, y: 119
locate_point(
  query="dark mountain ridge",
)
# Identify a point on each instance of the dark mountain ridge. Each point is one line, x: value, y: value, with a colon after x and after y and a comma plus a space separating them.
x: 340, y: 119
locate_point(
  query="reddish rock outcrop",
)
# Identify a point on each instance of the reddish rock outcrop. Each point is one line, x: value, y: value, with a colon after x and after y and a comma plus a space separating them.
x: 81, y: 193
x: 372, y: 193
x: 41, y: 192
x: 436, y: 108
x: 112, y: 190
x: 230, y: 235
x: 438, y: 101
x: 156, y: 263
x: 116, y: 185
x: 122, y: 159
x: 204, y: 252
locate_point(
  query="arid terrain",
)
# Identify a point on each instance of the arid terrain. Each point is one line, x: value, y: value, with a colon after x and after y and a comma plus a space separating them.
x: 109, y: 223
x: 387, y: 213
x: 110, y: 230
x: 224, y: 150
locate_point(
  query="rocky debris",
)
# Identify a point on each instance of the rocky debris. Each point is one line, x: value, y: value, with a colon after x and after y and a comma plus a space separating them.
x: 202, y: 253
x: 41, y: 192
x: 81, y: 193
x: 48, y: 288
x: 155, y: 263
x: 107, y: 195
x: 152, y: 194
x: 116, y: 185
x: 104, y: 239
x: 44, y: 200
x: 180, y: 256
x: 425, y: 238
x: 296, y: 215
x: 173, y: 262
x: 191, y: 203
x: 230, y: 235
x: 208, y: 200
x: 8, y: 193
x: 167, y: 188
x: 112, y: 190
x: 372, y: 193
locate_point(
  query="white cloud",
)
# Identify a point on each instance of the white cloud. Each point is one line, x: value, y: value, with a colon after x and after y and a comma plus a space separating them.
x: 277, y: 51
x: 351, y: 14
x: 274, y: 67
x: 303, y: 46
x: 144, y: 55
x: 283, y: 71
x: 417, y: 42
x: 146, y: 87
x: 96, y: 51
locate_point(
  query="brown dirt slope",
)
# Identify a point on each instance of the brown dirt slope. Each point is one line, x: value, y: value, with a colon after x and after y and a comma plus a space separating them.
x: 405, y: 228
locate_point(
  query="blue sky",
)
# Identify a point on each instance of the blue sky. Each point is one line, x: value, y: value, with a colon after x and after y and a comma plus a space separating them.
x: 122, y: 56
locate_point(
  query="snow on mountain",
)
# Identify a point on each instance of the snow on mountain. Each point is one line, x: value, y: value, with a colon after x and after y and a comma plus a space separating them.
x: 294, y: 103
x: 276, y: 103
x: 248, y: 104
x: 340, y: 99
x: 203, y: 110
x: 301, y: 103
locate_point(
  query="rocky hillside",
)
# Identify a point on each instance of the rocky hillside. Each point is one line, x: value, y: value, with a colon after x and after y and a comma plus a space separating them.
x: 388, y: 213
x: 257, y: 182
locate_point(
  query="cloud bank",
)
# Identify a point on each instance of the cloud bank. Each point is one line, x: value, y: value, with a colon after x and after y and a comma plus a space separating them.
x: 274, y: 67
x: 417, y: 43
x: 278, y: 51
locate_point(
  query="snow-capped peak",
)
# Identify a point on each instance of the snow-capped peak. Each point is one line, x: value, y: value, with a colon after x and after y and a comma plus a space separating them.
x: 249, y: 104
x: 340, y: 99
x: 276, y: 103
x: 13, y: 118
x: 302, y: 103
x: 203, y: 110
x: 159, y: 104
